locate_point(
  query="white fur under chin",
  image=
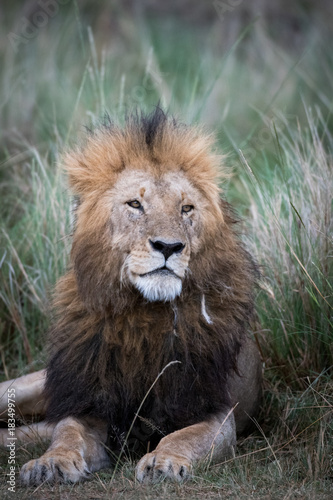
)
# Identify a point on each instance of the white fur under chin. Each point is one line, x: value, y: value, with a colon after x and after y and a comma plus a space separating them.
x: 159, y: 288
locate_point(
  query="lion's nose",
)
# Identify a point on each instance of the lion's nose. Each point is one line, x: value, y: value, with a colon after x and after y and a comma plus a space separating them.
x: 167, y: 249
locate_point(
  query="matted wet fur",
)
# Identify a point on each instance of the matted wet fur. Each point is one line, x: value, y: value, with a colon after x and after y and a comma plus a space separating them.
x: 158, y: 274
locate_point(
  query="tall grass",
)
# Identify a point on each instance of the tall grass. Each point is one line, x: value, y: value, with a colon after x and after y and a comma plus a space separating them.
x: 292, y: 233
x: 271, y: 111
x: 34, y: 242
x: 291, y: 228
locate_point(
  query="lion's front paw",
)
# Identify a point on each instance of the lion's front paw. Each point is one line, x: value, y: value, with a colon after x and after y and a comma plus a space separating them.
x: 55, y: 466
x: 159, y: 465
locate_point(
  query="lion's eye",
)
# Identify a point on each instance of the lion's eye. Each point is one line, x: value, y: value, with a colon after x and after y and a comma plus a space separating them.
x: 134, y: 204
x: 187, y: 208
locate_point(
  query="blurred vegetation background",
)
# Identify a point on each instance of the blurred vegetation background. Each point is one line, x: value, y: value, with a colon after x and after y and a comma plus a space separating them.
x: 259, y: 75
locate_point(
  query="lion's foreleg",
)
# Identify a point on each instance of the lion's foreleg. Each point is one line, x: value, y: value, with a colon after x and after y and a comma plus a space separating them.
x: 25, y: 393
x: 77, y: 449
x: 176, y: 453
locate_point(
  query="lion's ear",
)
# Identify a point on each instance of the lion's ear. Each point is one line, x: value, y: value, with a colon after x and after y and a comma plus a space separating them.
x: 93, y: 166
x: 84, y: 176
x: 76, y: 171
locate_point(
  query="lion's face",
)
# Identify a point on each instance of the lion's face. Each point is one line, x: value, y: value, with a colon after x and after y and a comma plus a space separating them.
x: 156, y: 224
x: 149, y: 212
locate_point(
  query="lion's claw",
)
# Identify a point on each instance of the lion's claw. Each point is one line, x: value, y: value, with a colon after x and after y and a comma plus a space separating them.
x: 53, y: 468
x: 156, y: 466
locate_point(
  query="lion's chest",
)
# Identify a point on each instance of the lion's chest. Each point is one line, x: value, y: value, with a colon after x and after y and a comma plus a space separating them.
x: 149, y: 366
x: 158, y: 376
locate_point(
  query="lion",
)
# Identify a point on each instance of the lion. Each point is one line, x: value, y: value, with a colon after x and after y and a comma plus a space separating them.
x: 149, y: 344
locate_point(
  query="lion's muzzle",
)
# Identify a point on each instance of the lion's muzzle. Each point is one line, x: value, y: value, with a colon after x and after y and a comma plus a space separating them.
x: 167, y: 249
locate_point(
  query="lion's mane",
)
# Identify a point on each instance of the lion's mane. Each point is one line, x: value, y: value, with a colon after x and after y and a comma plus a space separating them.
x: 108, y: 344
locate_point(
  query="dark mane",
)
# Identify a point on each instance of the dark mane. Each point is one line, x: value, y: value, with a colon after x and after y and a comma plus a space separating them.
x: 152, y: 125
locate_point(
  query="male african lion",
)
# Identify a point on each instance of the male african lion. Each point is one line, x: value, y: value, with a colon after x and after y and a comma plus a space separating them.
x: 151, y: 318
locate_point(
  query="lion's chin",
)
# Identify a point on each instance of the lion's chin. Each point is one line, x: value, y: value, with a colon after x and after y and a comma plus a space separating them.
x: 159, y: 287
